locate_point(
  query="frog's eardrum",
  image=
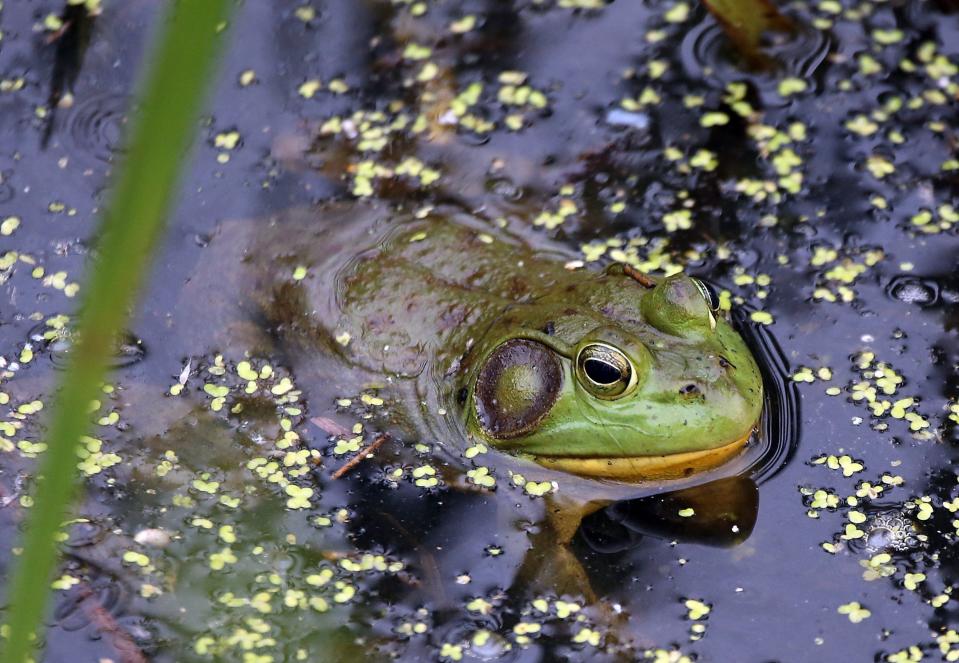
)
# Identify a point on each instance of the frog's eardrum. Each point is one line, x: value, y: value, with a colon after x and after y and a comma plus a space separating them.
x: 516, y: 388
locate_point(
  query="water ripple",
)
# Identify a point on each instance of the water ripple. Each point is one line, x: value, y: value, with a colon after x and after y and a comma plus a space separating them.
x: 708, y: 55
x: 96, y: 125
x: 780, y: 425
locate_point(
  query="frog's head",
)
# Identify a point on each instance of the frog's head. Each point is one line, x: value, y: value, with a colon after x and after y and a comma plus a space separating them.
x: 615, y: 376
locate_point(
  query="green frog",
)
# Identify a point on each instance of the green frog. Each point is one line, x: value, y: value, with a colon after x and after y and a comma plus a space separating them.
x: 606, y: 383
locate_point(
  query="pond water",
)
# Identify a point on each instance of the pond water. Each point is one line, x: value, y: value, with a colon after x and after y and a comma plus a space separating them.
x: 819, y: 197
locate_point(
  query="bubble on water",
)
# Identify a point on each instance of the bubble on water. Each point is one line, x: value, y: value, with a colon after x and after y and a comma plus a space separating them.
x: 914, y: 290
x: 707, y: 54
x: 58, y: 342
x: 489, y: 646
x: 890, y: 531
x: 505, y: 188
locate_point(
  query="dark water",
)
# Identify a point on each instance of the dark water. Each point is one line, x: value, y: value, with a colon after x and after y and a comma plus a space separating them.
x: 820, y: 194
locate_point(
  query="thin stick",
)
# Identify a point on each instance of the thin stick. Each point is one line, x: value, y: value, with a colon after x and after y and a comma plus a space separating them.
x: 638, y: 276
x: 358, y: 458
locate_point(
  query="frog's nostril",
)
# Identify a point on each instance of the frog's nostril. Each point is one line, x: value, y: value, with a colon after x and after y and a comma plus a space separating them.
x: 689, y: 390
x: 725, y: 363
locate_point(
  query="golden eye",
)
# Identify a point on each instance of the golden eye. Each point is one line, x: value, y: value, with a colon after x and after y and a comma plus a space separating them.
x: 604, y: 371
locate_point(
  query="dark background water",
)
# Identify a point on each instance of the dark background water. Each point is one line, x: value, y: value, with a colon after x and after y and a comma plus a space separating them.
x: 804, y: 184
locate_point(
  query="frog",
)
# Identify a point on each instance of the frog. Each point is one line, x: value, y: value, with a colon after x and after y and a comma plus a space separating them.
x: 598, y: 373
x: 488, y: 338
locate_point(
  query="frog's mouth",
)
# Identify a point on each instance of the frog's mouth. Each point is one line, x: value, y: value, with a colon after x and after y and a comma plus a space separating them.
x: 646, y: 468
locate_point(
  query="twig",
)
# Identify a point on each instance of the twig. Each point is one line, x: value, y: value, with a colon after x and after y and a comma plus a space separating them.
x: 638, y: 276
x: 358, y: 458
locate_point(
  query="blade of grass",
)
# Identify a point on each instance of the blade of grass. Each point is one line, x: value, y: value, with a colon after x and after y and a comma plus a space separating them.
x: 182, y: 59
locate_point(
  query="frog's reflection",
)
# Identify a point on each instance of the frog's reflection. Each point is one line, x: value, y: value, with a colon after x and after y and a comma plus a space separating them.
x: 720, y: 513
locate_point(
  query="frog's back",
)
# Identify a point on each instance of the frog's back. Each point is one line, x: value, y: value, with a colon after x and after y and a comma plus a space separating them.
x: 392, y: 292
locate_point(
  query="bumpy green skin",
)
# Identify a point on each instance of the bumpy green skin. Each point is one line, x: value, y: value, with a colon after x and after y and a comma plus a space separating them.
x: 431, y: 299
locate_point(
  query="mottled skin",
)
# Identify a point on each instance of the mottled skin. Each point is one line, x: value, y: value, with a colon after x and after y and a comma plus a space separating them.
x: 435, y: 297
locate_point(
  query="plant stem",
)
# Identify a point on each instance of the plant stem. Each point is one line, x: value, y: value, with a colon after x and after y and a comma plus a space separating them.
x: 182, y: 59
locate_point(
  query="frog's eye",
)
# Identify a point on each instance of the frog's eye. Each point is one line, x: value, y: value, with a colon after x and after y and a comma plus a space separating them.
x: 709, y: 294
x: 604, y: 371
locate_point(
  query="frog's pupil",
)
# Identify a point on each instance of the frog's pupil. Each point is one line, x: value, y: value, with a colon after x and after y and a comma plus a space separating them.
x: 601, y: 372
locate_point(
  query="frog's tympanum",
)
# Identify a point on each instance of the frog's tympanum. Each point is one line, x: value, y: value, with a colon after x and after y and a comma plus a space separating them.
x: 597, y: 378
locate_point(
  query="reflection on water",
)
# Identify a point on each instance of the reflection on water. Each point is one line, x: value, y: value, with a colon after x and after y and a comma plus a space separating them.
x: 719, y: 513
x: 779, y: 428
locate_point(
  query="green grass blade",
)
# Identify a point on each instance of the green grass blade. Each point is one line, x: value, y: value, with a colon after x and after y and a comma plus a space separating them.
x: 178, y: 71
